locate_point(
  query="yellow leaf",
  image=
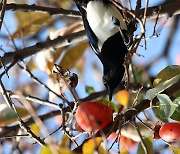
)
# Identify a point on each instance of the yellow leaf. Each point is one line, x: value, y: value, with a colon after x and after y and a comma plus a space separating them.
x: 58, y: 53
x: 30, y: 23
x: 91, y: 145
x: 55, y: 149
x: 8, y: 115
x: 65, y: 4
x: 123, y: 151
x: 35, y: 129
x: 64, y: 142
x: 73, y: 54
x: 31, y: 64
x: 122, y: 97
x: 175, y: 149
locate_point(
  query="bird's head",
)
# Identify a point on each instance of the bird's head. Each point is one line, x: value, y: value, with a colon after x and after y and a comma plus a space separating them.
x: 112, y: 78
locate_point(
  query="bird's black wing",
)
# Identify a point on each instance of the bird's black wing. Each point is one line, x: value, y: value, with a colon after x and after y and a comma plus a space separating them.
x: 93, y: 41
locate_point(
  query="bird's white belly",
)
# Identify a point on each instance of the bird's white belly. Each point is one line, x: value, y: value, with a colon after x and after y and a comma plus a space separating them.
x: 100, y: 20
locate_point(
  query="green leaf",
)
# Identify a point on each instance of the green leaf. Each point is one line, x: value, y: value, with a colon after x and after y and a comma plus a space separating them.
x: 166, y: 106
x: 73, y: 54
x: 166, y: 74
x: 112, y: 105
x: 151, y: 93
x: 8, y: 115
x: 177, y: 101
x: 156, y: 111
x: 149, y: 145
x: 175, y: 115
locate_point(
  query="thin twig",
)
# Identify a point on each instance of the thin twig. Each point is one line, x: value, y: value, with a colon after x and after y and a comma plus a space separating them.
x: 144, y: 146
x: 14, y: 136
x: 34, y: 99
x: 20, y: 121
x: 41, y: 83
x: 144, y: 124
x: 3, y: 10
x: 156, y: 21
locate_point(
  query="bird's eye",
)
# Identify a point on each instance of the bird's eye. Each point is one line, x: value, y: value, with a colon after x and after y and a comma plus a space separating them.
x: 115, y: 21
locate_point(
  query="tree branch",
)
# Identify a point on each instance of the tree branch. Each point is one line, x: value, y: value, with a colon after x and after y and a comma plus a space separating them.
x: 35, y: 8
x: 19, y: 55
x: 168, y: 10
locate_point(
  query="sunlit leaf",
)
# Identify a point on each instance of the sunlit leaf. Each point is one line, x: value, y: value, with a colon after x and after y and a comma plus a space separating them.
x: 66, y: 4
x: 31, y: 64
x: 166, y: 74
x: 124, y: 151
x: 90, y: 146
x: 150, y: 94
x: 8, y: 115
x: 149, y: 146
x: 58, y: 53
x: 55, y: 149
x: 174, y: 149
x: 73, y: 54
x: 166, y: 106
x: 81, y: 65
x: 30, y: 23
x: 35, y: 129
x: 64, y: 143
x: 122, y: 97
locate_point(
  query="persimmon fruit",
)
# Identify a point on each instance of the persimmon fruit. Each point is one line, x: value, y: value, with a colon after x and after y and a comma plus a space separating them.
x: 170, y: 132
x: 93, y: 116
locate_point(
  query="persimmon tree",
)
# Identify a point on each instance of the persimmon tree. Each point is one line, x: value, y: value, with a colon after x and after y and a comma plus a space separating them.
x: 48, y: 72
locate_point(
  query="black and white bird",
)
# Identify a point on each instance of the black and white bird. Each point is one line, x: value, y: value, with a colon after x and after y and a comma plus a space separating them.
x: 105, y: 28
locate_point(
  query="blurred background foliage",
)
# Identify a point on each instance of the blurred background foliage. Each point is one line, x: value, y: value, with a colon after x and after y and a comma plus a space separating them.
x: 34, y: 76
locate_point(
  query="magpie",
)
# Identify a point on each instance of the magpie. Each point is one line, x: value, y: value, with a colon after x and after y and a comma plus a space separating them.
x: 106, y: 31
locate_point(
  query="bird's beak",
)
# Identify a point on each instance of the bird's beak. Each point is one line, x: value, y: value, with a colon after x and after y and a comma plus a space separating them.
x: 110, y: 91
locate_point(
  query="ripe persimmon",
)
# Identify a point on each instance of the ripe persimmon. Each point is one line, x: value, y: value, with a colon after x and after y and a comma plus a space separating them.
x: 170, y: 132
x: 93, y: 116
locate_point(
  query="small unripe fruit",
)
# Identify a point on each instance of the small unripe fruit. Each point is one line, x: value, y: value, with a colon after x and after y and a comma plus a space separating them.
x: 93, y: 116
x: 170, y: 132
